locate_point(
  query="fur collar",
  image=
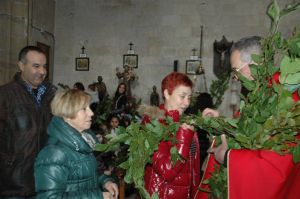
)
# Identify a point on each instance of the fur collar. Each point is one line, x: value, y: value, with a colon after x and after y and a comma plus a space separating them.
x: 151, y: 111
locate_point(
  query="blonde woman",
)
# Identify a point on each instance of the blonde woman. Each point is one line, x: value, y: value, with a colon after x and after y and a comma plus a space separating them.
x: 66, y: 166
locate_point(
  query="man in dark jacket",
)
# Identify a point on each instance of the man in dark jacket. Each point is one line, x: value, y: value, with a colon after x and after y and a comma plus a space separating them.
x: 24, y: 116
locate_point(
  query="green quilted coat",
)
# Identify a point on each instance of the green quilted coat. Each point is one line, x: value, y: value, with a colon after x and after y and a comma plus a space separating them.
x: 66, y: 166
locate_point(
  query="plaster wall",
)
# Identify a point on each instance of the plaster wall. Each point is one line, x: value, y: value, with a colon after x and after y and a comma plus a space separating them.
x: 162, y: 31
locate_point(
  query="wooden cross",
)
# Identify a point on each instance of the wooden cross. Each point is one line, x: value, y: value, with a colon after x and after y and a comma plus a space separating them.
x: 82, y: 49
x: 130, y: 44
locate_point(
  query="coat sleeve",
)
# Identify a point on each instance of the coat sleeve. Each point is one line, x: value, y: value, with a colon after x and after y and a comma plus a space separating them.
x: 51, y: 175
x: 162, y: 163
x: 262, y: 174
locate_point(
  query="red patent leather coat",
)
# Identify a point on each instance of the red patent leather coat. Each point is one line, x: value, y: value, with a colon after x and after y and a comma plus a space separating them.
x: 179, y: 181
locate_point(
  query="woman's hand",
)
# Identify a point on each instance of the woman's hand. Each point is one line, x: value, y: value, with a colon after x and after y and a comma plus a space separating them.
x: 112, y: 189
x: 106, y: 195
x: 208, y: 112
x: 187, y: 126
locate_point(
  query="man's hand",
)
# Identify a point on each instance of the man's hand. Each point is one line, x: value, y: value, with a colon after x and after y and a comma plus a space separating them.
x: 220, y: 151
x: 112, y: 189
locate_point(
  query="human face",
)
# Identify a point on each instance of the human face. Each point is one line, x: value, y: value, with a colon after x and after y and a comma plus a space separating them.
x: 122, y: 88
x: 179, y: 100
x: 82, y: 120
x: 34, y: 70
x: 239, y: 66
x: 114, y: 123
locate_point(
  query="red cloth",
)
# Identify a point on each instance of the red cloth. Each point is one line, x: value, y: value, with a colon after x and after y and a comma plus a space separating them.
x: 203, y: 190
x: 263, y: 174
x: 181, y: 180
x: 257, y: 174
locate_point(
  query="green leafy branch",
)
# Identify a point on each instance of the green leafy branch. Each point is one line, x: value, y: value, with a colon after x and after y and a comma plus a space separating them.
x: 269, y: 117
x: 143, y: 141
x: 103, y: 110
x: 218, y: 88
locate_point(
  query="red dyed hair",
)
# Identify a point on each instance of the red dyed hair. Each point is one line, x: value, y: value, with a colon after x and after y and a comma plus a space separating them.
x: 173, y: 80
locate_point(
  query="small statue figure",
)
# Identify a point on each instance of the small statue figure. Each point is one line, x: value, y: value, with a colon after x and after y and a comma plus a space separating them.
x: 154, y: 97
x: 101, y: 88
x: 127, y: 76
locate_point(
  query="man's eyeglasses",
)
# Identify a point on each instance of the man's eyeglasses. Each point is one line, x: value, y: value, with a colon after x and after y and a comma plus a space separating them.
x: 236, y: 70
x: 240, y: 68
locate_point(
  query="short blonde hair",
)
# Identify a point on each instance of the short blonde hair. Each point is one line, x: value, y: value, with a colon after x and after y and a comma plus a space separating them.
x: 68, y: 102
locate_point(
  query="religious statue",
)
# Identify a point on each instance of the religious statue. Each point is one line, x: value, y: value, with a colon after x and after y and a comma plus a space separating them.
x: 127, y: 76
x: 222, y: 57
x: 154, y: 97
x: 101, y: 88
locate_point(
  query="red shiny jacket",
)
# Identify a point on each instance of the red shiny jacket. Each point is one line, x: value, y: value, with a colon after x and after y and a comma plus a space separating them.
x: 179, y: 181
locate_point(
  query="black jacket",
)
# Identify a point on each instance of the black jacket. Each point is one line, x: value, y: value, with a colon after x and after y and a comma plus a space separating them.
x: 23, y: 133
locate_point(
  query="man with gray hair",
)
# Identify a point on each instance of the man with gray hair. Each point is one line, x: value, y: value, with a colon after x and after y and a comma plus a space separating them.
x: 253, y: 173
x: 241, y: 52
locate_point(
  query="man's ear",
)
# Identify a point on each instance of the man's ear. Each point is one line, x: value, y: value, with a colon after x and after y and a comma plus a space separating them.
x: 21, y: 65
x: 166, y: 94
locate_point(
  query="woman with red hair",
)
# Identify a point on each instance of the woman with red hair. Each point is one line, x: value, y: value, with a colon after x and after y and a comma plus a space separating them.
x: 179, y: 180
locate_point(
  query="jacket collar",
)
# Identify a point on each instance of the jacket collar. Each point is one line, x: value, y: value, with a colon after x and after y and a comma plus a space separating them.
x: 174, y: 114
x: 60, y: 131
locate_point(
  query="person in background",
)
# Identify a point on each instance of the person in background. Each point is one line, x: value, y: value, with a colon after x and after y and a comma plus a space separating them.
x: 112, y: 124
x: 120, y: 100
x: 66, y: 167
x: 125, y: 121
x: 91, y: 90
x: 24, y: 116
x: 180, y: 180
x: 79, y: 86
x: 253, y: 173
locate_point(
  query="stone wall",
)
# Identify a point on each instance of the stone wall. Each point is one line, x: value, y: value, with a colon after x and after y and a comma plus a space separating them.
x: 162, y: 31
x: 13, y: 35
x: 24, y: 22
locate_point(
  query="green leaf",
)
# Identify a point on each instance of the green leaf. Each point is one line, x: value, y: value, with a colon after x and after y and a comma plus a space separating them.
x: 101, y: 147
x: 289, y: 66
x: 293, y: 78
x: 174, y: 155
x: 296, y: 153
x: 243, y: 139
x: 285, y: 102
x: 124, y: 165
x: 294, y: 46
x: 249, y: 84
x: 274, y: 11
x: 155, y: 195
x: 256, y: 58
x: 290, y: 8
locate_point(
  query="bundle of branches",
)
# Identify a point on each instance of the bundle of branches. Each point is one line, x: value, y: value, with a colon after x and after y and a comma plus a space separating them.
x: 270, y: 118
x: 143, y: 141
